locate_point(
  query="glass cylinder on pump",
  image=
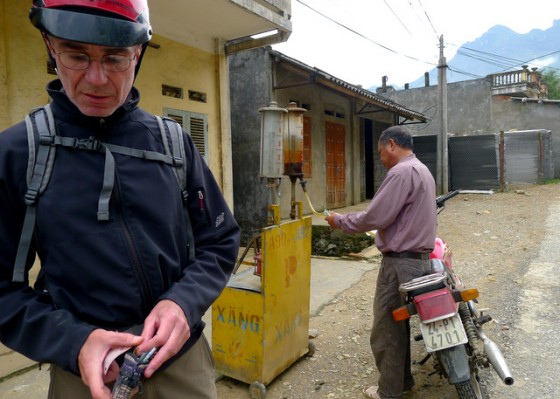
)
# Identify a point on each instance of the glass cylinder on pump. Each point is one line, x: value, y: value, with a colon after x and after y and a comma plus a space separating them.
x: 272, y: 125
x: 293, y: 141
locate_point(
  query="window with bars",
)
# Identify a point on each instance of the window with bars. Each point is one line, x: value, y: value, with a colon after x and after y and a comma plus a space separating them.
x: 194, y: 124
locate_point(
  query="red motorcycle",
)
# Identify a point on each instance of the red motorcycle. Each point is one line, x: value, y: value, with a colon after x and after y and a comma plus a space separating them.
x: 450, y: 324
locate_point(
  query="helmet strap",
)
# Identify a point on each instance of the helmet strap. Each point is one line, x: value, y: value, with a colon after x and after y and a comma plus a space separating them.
x: 137, y: 68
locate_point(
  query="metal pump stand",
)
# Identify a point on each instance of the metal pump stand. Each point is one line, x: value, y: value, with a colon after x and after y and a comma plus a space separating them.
x: 260, y: 322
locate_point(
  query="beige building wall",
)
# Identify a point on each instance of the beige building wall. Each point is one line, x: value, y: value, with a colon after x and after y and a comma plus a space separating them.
x: 23, y: 64
x: 23, y: 76
x: 174, y: 64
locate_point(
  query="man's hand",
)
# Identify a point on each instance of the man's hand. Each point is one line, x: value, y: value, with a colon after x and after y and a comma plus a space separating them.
x: 167, y: 329
x: 330, y: 219
x: 92, y: 355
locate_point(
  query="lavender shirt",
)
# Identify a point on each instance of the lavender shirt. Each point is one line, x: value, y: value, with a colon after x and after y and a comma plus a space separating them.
x: 403, y: 210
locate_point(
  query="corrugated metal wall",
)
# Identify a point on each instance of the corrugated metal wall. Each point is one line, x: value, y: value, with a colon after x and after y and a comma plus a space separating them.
x: 425, y: 148
x: 528, y: 156
x: 474, y: 161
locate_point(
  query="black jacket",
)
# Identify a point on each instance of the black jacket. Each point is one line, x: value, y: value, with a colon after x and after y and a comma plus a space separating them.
x: 107, y: 274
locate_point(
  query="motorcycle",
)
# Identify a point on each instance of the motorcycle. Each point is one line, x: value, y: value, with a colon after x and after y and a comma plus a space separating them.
x: 450, y: 323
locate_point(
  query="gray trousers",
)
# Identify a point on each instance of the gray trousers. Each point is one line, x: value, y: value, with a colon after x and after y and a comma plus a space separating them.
x: 190, y: 376
x: 390, y: 340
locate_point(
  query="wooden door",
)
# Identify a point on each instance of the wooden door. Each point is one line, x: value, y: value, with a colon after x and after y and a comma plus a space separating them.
x: 336, y: 165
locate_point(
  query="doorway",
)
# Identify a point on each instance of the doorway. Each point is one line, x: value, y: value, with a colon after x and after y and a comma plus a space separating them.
x: 336, y: 164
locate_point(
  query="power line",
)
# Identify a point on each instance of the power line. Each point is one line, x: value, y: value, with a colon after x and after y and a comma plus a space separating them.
x: 487, y: 60
x: 538, y: 58
x: 490, y: 54
x: 472, y: 75
x: 429, y: 20
x: 396, y: 16
x: 502, y: 61
x: 420, y: 20
x: 482, y: 56
x: 362, y: 36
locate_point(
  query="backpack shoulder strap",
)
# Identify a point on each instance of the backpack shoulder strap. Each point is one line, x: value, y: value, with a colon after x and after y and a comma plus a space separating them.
x: 40, y: 131
x: 172, y: 137
x: 174, y: 145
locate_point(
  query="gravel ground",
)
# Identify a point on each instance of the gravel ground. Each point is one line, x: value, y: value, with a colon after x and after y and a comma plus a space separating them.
x: 504, y: 244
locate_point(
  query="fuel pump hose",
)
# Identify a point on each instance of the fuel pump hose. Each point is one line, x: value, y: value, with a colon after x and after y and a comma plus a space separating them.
x: 325, y: 212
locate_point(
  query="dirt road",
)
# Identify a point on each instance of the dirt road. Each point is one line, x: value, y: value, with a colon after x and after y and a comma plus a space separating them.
x: 505, y: 245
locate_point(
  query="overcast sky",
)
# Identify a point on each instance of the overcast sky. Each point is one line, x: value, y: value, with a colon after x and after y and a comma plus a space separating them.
x: 359, y: 41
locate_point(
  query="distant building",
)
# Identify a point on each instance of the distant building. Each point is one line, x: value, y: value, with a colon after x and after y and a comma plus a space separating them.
x: 478, y: 110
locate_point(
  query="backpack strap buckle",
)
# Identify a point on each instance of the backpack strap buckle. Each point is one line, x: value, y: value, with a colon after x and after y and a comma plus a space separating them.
x: 31, y: 195
x: 91, y: 144
x: 46, y: 139
x: 177, y: 161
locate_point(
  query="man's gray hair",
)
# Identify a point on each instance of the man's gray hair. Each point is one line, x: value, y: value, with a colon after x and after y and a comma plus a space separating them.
x: 400, y: 135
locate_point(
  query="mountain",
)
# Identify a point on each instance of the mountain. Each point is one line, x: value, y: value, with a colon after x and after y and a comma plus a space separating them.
x: 498, y: 50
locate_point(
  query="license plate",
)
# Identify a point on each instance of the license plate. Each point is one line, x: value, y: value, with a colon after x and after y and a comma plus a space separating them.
x: 444, y: 333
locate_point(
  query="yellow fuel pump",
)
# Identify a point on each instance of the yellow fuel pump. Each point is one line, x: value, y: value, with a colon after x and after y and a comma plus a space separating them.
x: 260, y: 322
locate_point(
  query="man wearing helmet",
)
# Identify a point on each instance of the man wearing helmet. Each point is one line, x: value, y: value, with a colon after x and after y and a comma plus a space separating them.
x: 124, y: 280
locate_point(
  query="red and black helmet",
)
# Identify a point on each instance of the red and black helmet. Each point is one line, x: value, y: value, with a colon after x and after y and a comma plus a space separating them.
x: 114, y: 23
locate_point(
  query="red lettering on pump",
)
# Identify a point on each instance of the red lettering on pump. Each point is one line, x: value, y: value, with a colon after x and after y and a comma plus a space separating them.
x: 291, y: 268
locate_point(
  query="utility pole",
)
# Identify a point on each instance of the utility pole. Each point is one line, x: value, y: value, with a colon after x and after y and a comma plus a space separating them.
x: 442, y: 171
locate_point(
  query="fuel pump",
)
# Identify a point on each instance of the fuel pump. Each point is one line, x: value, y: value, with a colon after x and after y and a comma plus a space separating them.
x: 260, y: 322
x: 293, y: 150
x: 293, y: 141
x: 272, y: 157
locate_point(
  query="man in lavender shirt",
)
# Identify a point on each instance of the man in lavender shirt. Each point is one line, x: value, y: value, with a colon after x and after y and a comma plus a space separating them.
x: 403, y: 211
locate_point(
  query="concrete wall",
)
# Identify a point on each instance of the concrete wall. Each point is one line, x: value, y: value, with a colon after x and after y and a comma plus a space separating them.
x: 468, y: 106
x: 472, y: 110
x: 251, y: 89
x: 252, y: 78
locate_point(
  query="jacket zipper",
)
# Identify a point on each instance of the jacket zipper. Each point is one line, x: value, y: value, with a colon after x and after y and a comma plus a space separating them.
x: 201, y: 200
x: 131, y: 246
x: 144, y: 286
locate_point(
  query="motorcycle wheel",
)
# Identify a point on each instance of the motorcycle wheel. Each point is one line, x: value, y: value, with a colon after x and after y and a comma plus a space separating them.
x: 455, y: 366
x: 469, y: 389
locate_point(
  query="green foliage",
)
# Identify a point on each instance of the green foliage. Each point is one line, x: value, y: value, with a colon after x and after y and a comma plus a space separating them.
x: 552, y: 80
x: 328, y: 242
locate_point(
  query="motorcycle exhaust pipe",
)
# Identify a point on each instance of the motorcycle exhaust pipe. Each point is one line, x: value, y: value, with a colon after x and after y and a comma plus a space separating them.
x: 496, y: 358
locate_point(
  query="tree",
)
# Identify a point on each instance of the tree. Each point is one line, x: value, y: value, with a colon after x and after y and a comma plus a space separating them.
x: 551, y: 78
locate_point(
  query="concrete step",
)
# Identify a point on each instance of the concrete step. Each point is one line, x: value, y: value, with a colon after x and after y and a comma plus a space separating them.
x: 12, y: 362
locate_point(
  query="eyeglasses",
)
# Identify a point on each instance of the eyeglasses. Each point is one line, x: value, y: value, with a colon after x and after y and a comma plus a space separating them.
x: 80, y: 61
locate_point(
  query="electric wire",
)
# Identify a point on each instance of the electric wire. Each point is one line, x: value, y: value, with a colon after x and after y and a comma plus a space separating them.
x: 472, y: 75
x: 421, y: 20
x: 397, y: 17
x: 499, y: 61
x: 363, y: 36
x: 429, y: 20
